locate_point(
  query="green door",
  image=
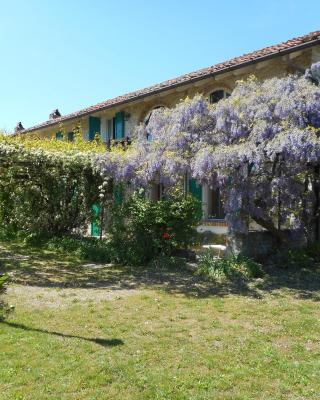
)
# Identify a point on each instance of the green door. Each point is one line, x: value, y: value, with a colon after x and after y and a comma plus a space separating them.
x: 95, y: 226
x: 94, y: 127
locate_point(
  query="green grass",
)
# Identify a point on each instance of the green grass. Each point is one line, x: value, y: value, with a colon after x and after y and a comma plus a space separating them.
x: 119, y: 333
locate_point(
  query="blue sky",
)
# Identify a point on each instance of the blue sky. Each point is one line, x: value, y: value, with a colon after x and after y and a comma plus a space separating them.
x: 71, y: 54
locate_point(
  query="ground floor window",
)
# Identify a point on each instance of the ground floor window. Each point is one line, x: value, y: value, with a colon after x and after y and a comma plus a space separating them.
x: 215, y: 205
x: 212, y: 204
x: 157, y: 192
x: 211, y: 201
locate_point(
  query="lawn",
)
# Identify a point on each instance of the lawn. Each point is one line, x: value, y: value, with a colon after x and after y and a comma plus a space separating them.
x: 90, y: 331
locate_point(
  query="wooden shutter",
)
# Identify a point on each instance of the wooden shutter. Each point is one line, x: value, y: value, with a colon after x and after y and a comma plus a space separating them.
x: 119, y: 125
x: 195, y: 189
x: 94, y: 127
x: 95, y: 226
x: 59, y: 135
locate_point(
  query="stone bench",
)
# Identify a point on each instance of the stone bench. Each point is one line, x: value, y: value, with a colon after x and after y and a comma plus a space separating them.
x: 219, y: 247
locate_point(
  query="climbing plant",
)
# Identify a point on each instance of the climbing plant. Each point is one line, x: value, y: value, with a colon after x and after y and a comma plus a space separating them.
x: 46, y: 186
x: 260, y: 146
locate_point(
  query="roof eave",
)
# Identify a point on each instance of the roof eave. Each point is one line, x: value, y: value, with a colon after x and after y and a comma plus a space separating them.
x: 175, y: 85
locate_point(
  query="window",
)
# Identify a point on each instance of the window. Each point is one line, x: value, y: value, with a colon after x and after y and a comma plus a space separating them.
x: 215, y: 205
x: 147, y: 120
x: 109, y: 130
x: 218, y: 95
x: 157, y: 192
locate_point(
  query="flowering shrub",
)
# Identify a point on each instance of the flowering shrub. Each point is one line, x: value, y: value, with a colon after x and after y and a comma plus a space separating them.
x: 140, y: 229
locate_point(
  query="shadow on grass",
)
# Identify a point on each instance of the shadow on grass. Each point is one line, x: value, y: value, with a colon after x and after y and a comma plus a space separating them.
x: 35, y: 267
x: 101, y: 342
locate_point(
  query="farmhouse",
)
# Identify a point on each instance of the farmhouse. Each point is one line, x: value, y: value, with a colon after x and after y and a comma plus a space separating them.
x: 115, y: 119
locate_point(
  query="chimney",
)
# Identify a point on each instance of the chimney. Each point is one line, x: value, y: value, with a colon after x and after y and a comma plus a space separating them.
x: 55, y: 114
x: 19, y: 127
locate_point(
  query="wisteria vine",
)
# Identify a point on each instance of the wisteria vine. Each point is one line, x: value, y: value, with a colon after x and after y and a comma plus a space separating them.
x: 260, y: 146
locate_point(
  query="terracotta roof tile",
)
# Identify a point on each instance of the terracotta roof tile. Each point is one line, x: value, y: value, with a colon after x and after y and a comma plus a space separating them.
x: 309, y: 39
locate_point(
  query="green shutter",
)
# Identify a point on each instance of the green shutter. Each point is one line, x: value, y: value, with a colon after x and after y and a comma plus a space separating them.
x: 94, y: 127
x: 95, y: 227
x: 195, y: 189
x: 119, y: 125
x: 59, y: 135
x: 118, y: 194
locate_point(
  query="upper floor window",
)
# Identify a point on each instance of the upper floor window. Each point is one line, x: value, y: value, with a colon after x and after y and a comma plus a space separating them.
x: 148, y: 117
x: 218, y: 95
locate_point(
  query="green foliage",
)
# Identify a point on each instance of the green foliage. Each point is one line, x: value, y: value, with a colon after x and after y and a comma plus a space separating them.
x: 235, y: 266
x: 168, y: 262
x: 313, y: 251
x: 3, y: 306
x: 141, y: 230
x: 46, y: 187
x: 33, y: 142
x: 300, y: 257
x: 90, y: 249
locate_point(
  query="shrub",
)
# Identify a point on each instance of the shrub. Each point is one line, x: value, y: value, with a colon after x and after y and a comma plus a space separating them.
x: 313, y: 251
x: 4, y: 309
x: 141, y: 230
x: 302, y: 257
x: 46, y: 186
x: 90, y: 249
x: 168, y: 262
x: 214, y: 267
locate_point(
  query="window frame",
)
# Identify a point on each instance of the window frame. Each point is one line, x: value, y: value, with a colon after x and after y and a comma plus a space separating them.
x: 226, y: 94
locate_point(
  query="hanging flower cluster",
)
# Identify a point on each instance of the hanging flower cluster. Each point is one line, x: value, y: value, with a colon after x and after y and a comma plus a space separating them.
x: 260, y: 146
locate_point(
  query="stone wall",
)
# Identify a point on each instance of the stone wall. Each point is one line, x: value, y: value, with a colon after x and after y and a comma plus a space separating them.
x: 260, y: 245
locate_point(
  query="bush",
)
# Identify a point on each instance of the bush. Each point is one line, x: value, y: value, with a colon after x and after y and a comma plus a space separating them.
x: 4, y: 309
x: 141, y: 230
x: 213, y: 267
x: 313, y: 251
x: 46, y: 186
x: 301, y: 257
x: 91, y: 249
x: 168, y: 262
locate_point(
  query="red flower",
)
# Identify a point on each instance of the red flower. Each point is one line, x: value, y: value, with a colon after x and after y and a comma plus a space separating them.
x: 165, y: 235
